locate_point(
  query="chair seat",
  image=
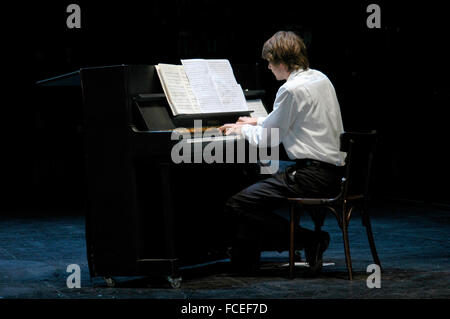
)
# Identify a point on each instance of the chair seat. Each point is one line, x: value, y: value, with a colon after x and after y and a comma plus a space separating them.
x: 355, y: 197
x: 313, y: 201
x: 322, y: 201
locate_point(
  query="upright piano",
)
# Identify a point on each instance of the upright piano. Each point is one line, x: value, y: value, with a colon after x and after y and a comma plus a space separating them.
x: 146, y: 215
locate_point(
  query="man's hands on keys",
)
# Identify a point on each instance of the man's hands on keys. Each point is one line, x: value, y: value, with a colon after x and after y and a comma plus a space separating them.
x: 247, y: 120
x: 235, y: 128
x: 231, y: 129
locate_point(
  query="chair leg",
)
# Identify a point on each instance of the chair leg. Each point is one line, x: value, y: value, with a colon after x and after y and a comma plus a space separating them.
x: 292, y: 240
x: 297, y: 218
x: 348, y: 258
x: 373, y: 249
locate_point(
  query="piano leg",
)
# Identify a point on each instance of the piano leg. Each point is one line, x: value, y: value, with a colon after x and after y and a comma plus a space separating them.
x: 174, y: 279
x: 168, y: 210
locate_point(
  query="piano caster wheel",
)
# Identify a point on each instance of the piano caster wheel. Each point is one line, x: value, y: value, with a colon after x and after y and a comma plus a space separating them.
x: 110, y: 282
x: 174, y: 282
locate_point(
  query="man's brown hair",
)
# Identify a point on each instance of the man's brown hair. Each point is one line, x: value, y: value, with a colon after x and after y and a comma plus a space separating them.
x: 288, y: 48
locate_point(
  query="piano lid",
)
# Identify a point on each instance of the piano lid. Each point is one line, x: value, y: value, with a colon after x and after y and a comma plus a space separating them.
x: 69, y: 79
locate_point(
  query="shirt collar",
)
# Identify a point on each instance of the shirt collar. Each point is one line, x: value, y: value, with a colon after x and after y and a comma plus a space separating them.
x: 295, y: 73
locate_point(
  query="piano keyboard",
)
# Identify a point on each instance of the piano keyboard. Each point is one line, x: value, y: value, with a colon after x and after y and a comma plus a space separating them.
x: 214, y: 139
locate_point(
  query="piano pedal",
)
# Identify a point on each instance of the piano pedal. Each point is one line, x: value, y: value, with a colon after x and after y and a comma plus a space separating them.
x: 110, y: 282
x: 175, y: 282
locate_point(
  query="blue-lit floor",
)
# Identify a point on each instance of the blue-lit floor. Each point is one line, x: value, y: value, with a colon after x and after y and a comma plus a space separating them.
x: 412, y: 241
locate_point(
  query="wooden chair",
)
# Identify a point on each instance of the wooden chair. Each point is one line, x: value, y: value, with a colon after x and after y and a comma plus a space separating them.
x: 360, y: 148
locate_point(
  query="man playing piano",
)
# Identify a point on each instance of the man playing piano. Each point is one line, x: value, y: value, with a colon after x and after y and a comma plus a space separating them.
x: 307, y: 115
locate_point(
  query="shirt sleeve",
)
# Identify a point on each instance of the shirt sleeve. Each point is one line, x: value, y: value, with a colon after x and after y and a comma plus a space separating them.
x: 280, y: 119
x: 261, y: 120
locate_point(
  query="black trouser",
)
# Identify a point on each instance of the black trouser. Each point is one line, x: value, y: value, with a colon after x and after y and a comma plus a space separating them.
x: 252, y: 209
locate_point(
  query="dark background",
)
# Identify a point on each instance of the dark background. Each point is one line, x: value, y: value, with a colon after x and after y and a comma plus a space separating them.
x: 392, y: 79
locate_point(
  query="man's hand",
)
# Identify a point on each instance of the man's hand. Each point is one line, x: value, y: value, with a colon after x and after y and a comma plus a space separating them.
x: 231, y: 129
x: 247, y: 120
x: 235, y: 128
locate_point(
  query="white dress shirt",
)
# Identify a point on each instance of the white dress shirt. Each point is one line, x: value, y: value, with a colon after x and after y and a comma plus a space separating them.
x: 306, y: 112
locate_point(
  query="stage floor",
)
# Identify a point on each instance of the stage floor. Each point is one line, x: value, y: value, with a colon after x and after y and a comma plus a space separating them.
x: 412, y: 241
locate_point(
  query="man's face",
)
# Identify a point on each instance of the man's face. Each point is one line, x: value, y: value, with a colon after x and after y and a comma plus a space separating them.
x: 279, y: 70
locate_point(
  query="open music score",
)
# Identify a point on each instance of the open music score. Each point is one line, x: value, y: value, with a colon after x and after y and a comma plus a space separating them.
x: 201, y: 86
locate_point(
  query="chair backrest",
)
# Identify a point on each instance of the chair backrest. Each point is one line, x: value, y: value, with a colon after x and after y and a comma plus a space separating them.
x: 360, y: 149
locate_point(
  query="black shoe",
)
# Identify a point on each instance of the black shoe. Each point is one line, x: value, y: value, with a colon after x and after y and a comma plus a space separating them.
x: 315, y: 252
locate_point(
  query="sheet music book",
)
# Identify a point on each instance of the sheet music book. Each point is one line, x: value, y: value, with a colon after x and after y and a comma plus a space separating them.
x: 201, y: 86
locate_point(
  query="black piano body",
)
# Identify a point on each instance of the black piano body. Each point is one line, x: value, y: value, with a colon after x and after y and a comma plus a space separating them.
x: 146, y: 215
